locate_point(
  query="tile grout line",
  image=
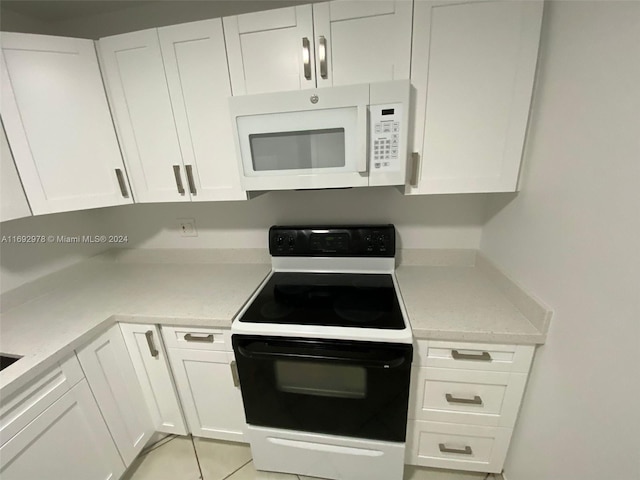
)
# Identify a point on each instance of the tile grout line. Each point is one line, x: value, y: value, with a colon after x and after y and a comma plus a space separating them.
x: 195, y: 452
x: 158, y: 444
x: 237, y: 469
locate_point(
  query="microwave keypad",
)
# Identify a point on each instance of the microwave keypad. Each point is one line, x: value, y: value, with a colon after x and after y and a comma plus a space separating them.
x: 385, y: 144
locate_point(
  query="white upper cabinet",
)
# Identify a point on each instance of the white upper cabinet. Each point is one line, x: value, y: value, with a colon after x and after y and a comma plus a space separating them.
x: 137, y: 87
x: 195, y: 63
x: 473, y: 67
x: 333, y: 43
x: 271, y: 51
x: 58, y: 124
x: 13, y: 202
x: 169, y: 89
x: 362, y: 41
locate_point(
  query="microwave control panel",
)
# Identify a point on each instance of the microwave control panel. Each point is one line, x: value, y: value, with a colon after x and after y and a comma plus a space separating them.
x: 386, y: 127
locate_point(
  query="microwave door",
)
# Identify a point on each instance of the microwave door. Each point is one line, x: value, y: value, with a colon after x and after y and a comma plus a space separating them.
x: 306, y: 149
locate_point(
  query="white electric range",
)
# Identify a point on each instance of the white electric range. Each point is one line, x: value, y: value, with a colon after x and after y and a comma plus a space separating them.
x: 324, y: 353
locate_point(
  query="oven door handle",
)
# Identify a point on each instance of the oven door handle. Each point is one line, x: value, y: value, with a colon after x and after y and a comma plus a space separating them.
x: 327, y: 357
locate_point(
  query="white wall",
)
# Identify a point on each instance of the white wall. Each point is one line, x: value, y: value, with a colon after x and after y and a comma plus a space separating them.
x: 23, y: 262
x: 442, y: 221
x: 572, y: 236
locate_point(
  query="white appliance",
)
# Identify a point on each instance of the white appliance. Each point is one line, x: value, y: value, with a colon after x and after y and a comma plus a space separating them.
x: 335, y: 137
x: 323, y: 351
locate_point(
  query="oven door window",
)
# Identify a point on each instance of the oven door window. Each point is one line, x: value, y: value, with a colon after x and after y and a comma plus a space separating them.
x: 320, y: 379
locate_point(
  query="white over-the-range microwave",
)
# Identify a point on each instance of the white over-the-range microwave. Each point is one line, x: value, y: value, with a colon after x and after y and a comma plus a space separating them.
x: 347, y: 136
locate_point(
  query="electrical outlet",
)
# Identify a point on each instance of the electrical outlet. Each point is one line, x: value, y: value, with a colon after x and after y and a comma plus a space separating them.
x: 188, y: 227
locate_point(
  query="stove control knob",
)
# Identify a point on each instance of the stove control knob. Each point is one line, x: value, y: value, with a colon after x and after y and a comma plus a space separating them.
x: 292, y: 241
x: 279, y: 240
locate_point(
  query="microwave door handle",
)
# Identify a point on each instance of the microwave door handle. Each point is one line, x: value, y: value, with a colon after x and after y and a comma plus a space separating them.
x: 363, y: 153
x: 275, y: 354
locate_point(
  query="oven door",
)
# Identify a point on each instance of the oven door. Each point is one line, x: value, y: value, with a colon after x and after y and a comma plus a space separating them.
x: 357, y: 389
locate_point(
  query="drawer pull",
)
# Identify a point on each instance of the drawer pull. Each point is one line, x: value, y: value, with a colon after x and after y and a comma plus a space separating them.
x: 193, y: 338
x: 483, y: 357
x: 466, y: 451
x: 152, y: 348
x: 476, y: 400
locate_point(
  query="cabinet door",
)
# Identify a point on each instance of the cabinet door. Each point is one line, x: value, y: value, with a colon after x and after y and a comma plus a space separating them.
x: 362, y: 41
x: 13, y: 202
x: 210, y: 393
x: 109, y: 371
x: 152, y: 369
x: 137, y: 88
x: 68, y: 440
x: 58, y: 124
x: 195, y: 63
x: 473, y: 66
x: 271, y: 51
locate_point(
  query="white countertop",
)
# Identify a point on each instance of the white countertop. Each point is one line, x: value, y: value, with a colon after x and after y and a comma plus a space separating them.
x: 464, y: 303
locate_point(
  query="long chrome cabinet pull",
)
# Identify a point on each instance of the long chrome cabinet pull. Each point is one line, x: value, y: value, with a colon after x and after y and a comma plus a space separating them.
x: 476, y: 400
x: 176, y: 173
x: 306, y: 57
x: 483, y: 357
x: 192, y: 338
x: 234, y: 374
x: 122, y: 183
x: 322, y: 53
x: 415, y: 169
x: 192, y: 184
x: 466, y: 451
x: 152, y: 348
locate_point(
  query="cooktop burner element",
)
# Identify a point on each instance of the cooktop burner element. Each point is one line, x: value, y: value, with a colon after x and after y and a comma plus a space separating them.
x: 336, y: 299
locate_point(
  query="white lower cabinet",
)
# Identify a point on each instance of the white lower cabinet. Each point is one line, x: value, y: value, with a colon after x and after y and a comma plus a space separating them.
x: 113, y: 381
x: 464, y: 402
x: 207, y: 384
x: 152, y: 369
x: 52, y: 429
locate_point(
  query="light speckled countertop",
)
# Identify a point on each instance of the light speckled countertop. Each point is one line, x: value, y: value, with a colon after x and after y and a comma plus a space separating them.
x: 47, y: 321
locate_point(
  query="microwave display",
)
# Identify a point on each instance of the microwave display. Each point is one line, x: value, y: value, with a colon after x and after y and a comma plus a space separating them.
x: 298, y: 150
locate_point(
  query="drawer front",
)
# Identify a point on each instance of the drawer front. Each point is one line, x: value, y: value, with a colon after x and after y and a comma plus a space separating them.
x: 466, y: 396
x: 19, y: 409
x: 459, y: 447
x: 474, y: 356
x: 195, y: 338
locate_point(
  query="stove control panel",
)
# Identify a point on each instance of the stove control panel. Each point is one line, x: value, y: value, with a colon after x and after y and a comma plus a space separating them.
x: 333, y: 241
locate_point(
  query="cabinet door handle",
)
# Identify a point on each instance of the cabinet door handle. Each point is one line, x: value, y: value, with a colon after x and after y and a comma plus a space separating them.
x: 476, y: 400
x: 192, y: 184
x: 483, y: 357
x: 322, y: 53
x: 415, y: 169
x: 176, y: 173
x: 122, y: 183
x: 193, y: 338
x: 152, y: 348
x: 466, y: 451
x: 234, y: 374
x: 306, y: 57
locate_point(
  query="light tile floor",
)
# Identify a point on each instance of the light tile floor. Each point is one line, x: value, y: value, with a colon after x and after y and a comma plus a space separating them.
x: 183, y: 458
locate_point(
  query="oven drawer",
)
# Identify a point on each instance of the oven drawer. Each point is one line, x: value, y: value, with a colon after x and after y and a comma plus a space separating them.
x: 474, y: 356
x: 466, y: 396
x: 196, y: 338
x: 459, y: 447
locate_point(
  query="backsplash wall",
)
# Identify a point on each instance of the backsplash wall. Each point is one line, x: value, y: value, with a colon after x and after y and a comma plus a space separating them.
x: 442, y: 221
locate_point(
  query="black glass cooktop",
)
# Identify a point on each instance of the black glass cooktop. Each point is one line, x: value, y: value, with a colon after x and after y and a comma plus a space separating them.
x: 333, y: 299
